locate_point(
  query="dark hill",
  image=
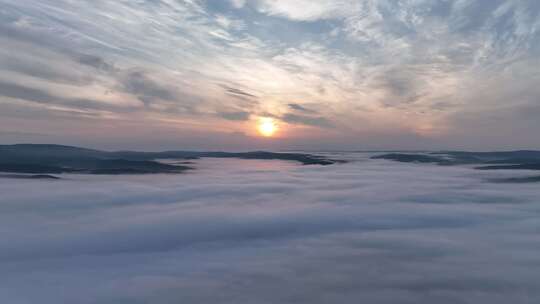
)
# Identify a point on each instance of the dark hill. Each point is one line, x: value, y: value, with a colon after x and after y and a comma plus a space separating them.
x: 44, y: 159
x: 525, y: 160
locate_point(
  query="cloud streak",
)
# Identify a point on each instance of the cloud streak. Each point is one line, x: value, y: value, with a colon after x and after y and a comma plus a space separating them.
x: 402, y: 68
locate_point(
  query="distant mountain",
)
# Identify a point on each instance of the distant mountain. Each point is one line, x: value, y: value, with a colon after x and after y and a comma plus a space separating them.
x: 26, y: 176
x: 525, y: 166
x: 524, y: 160
x: 410, y: 158
x: 517, y: 180
x: 51, y: 159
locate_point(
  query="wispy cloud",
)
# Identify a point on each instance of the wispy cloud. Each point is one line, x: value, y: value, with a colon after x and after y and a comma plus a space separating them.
x: 389, y: 64
x: 305, y: 10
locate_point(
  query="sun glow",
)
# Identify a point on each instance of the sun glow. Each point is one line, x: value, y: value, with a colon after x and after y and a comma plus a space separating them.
x: 267, y: 127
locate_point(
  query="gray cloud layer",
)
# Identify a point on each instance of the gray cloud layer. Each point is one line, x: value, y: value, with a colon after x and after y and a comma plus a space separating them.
x: 240, y: 231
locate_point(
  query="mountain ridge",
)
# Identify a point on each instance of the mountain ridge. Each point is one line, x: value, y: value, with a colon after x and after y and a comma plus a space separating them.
x: 52, y: 158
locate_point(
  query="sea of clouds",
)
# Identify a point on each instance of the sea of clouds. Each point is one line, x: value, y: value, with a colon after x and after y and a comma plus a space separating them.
x: 266, y: 232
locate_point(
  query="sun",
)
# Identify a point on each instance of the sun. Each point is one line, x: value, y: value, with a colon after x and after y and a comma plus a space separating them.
x: 267, y: 127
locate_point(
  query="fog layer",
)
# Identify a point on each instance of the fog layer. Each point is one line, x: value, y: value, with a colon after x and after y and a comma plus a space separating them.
x: 243, y: 231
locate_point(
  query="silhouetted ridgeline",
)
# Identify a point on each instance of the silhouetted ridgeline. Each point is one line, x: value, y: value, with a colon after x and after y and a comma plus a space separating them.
x: 517, y: 180
x: 516, y: 160
x: 410, y: 158
x: 51, y: 159
x: 32, y: 176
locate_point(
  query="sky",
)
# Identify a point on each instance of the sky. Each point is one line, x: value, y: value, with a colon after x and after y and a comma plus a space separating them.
x: 265, y: 232
x: 329, y: 74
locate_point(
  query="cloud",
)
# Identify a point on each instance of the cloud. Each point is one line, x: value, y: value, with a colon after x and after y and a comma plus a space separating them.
x: 300, y: 108
x: 389, y: 64
x: 316, y: 121
x: 145, y: 88
x: 237, y: 92
x: 305, y: 10
x: 95, y: 62
x: 237, y: 230
x: 16, y: 91
x: 240, y: 116
x: 238, y: 3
